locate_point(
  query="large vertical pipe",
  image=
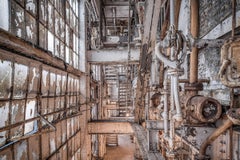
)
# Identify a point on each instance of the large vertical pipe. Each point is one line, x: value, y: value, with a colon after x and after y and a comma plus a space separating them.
x: 194, y: 31
x: 172, y: 24
x: 233, y: 17
x: 165, y: 112
x: 172, y: 15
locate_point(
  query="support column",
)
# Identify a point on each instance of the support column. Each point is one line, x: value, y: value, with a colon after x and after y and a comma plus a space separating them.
x: 84, y: 86
x: 194, y: 55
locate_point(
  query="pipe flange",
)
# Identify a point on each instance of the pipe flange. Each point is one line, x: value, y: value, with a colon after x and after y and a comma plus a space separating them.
x: 204, y: 109
x: 234, y: 115
x: 175, y: 71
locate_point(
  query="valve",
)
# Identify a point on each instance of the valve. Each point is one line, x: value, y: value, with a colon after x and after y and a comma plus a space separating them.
x: 204, y: 109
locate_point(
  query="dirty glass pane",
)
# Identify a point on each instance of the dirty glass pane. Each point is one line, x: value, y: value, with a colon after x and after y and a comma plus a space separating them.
x: 50, y: 42
x: 20, y: 81
x: 67, y: 38
x: 52, y: 84
x: 31, y: 6
x: 33, y: 82
x: 4, y: 114
x: 57, y: 47
x: 16, y: 132
x: 67, y: 12
x: 17, y: 20
x: 30, y: 113
x: 4, y: 15
x: 45, y: 82
x: 62, y: 28
x: 71, y: 57
x: 58, y: 84
x: 17, y: 114
x: 62, y: 50
x: 50, y: 17
x: 67, y: 55
x: 43, y: 11
x: 64, y: 83
x: 20, y: 150
x: 51, y: 103
x: 70, y: 81
x: 42, y: 36
x: 5, y: 79
x: 57, y: 24
x: 31, y: 29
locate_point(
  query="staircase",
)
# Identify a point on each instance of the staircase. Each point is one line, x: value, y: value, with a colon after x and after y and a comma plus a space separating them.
x: 111, y: 73
x: 112, y: 140
x: 124, y: 95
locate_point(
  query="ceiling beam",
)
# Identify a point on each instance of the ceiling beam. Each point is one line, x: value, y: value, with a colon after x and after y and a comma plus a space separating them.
x: 110, y: 127
x: 113, y: 56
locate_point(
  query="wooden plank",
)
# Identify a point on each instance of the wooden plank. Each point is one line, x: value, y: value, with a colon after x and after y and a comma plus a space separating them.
x: 109, y: 127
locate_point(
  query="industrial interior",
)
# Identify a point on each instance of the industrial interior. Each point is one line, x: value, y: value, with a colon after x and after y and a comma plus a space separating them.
x: 119, y: 80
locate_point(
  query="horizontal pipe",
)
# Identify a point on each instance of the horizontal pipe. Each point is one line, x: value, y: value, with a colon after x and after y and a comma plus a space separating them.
x: 199, y: 80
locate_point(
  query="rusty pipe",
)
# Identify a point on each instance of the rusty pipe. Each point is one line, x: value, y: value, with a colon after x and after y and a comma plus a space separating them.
x: 193, y: 75
x: 160, y: 55
x: 213, y: 136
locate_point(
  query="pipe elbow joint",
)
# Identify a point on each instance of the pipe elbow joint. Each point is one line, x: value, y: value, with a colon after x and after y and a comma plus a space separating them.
x: 162, y: 57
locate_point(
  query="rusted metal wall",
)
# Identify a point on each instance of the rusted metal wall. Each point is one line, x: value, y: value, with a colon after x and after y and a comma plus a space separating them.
x: 28, y: 89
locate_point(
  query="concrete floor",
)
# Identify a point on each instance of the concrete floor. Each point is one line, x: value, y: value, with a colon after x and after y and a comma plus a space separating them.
x: 124, y: 150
